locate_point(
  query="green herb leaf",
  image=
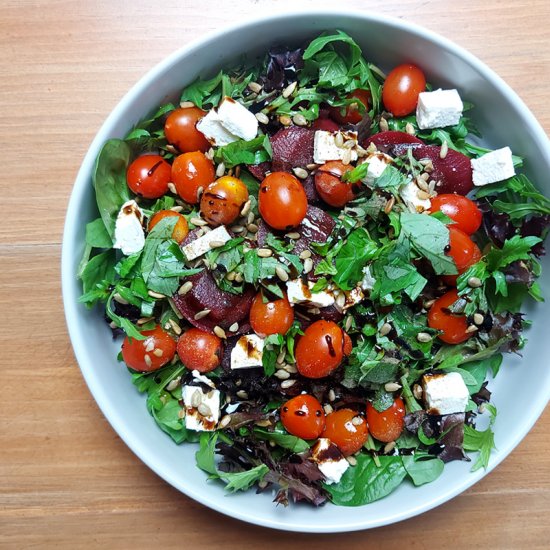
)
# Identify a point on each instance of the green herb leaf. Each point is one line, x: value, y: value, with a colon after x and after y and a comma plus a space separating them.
x: 255, y: 151
x: 242, y: 481
x: 516, y: 248
x: 423, y: 470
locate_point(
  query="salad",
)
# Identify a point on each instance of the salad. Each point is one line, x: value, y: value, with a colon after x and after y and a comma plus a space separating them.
x: 316, y: 269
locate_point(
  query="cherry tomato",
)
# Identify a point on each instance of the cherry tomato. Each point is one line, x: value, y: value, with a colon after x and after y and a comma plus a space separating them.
x: 453, y: 326
x: 190, y: 172
x: 200, y: 350
x: 274, y: 317
x: 150, y: 354
x: 148, y: 176
x: 462, y: 211
x: 387, y: 425
x: 223, y: 200
x: 303, y: 416
x: 282, y: 200
x: 320, y: 349
x: 330, y: 186
x: 401, y: 89
x: 325, y: 124
x: 347, y: 434
x: 180, y: 229
x: 463, y: 251
x: 352, y: 114
x: 181, y: 131
x: 348, y: 345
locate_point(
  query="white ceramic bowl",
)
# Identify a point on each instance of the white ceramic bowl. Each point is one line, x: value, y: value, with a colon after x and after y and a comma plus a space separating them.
x: 521, y: 390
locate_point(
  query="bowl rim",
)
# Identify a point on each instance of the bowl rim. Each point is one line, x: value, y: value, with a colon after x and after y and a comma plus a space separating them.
x: 72, y: 308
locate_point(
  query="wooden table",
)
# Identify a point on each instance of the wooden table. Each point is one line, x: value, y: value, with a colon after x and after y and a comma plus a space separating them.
x: 66, y: 479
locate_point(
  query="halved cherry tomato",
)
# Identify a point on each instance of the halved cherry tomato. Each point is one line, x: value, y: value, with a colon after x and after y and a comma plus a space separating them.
x: 401, y: 89
x: 150, y: 354
x: 180, y: 229
x: 148, y: 176
x: 222, y: 201
x: 190, y: 172
x: 282, y: 200
x: 348, y: 345
x: 347, y: 430
x: 352, y: 114
x: 303, y: 416
x: 463, y: 251
x: 181, y: 131
x: 453, y: 326
x: 200, y: 350
x: 464, y: 212
x: 325, y: 124
x: 274, y: 317
x: 330, y: 186
x: 387, y: 425
x: 320, y: 349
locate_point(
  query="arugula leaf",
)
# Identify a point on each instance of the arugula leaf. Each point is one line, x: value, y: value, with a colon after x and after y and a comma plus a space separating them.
x: 423, y: 469
x: 322, y: 41
x: 255, y: 151
x: 367, y: 482
x: 429, y: 237
x: 201, y: 92
x: 516, y: 248
x: 284, y: 440
x: 242, y: 481
x: 482, y: 441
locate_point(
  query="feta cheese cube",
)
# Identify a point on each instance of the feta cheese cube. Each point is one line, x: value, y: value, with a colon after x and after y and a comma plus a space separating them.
x: 438, y: 109
x: 329, y: 460
x: 198, y: 377
x: 492, y: 167
x: 129, y: 234
x: 368, y: 280
x: 325, y: 148
x: 214, y: 131
x: 445, y: 393
x: 248, y: 352
x: 201, y: 245
x: 409, y: 194
x: 237, y: 119
x: 202, y: 410
x: 298, y: 292
x: 377, y: 163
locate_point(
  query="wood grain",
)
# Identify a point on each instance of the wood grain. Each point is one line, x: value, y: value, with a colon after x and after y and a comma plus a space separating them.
x: 66, y: 479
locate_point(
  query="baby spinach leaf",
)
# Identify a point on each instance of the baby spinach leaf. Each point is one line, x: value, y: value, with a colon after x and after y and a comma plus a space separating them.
x: 205, y: 456
x: 100, y: 268
x: 97, y: 236
x: 423, y: 470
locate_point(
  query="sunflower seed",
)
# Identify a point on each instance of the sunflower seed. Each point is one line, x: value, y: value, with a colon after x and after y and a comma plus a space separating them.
x: 158, y: 352
x: 185, y: 288
x: 231, y: 276
x: 328, y: 409
x: 372, y: 148
x: 305, y: 254
x: 173, y: 383
x: 346, y: 157
x: 424, y: 337
x: 389, y: 447
x: 285, y: 120
x: 383, y: 123
x: 199, y: 222
x: 239, y: 278
x: 264, y: 252
x: 255, y: 87
x: 290, y: 368
x: 175, y: 327
x: 209, y: 154
x: 341, y: 301
x: 299, y: 120
x: 472, y: 328
x: 172, y: 188
x: 241, y: 394
x: 281, y: 273
x: 150, y: 346
x: 300, y: 173
x: 237, y: 228
x: 262, y: 118
x: 252, y: 227
x: 219, y: 332
x: 196, y: 398
x: 289, y: 90
x: 357, y: 421
x: 478, y: 319
x: 285, y: 384
x: 224, y: 421
x: 281, y: 357
x: 234, y: 327
x: 409, y: 128
x: 352, y: 461
x: 246, y: 208
x: 294, y: 235
x: 118, y: 298
x: 186, y: 104
x: 181, y: 414
x: 417, y: 391
x: 308, y: 265
x: 281, y: 374
x: 144, y: 320
x: 331, y: 395
x: 392, y: 386
x: 220, y: 170
x: 201, y: 314
x: 444, y: 150
x: 474, y: 282
x: 384, y: 329
x: 422, y: 195
x: 339, y: 140
x: 177, y: 209
x: 349, y: 144
x: 348, y: 322
x: 156, y: 295
x: 312, y: 166
x: 428, y: 304
x: 389, y: 205
x: 204, y: 409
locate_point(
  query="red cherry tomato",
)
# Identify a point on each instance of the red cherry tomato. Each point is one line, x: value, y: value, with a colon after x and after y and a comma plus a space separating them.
x: 325, y: 124
x: 282, y: 200
x: 401, y: 89
x: 148, y: 176
x: 352, y: 114
x: 320, y: 349
x: 348, y: 345
x: 347, y: 434
x: 387, y: 425
x: 303, y: 416
x: 463, y: 251
x: 330, y: 186
x: 274, y: 317
x: 462, y: 211
x: 181, y: 131
x: 453, y: 326
x: 190, y: 172
x: 200, y: 350
x: 180, y: 229
x: 223, y: 200
x: 150, y: 354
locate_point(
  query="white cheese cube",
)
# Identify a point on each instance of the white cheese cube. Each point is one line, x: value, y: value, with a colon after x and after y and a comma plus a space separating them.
x: 445, y: 393
x: 438, y: 109
x: 129, y: 234
x: 237, y: 119
x: 492, y: 167
x: 325, y: 148
x: 201, y: 245
x: 214, y: 131
x: 409, y: 194
x: 368, y: 280
x: 377, y: 163
x: 329, y: 460
x: 248, y: 352
x: 202, y: 410
x: 298, y: 292
x: 198, y: 377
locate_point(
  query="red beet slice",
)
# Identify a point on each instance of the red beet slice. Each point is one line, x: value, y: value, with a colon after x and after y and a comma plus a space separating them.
x: 225, y: 308
x: 259, y: 171
x: 387, y: 141
x: 292, y: 147
x: 453, y: 173
x: 311, y: 191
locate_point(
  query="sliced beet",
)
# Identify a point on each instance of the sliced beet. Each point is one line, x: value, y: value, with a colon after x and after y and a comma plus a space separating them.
x: 259, y: 171
x: 225, y: 308
x: 311, y: 191
x: 387, y: 141
x: 292, y: 147
x: 453, y: 173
